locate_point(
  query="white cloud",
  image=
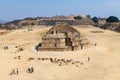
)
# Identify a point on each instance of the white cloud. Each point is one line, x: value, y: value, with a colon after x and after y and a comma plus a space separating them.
x: 112, y: 3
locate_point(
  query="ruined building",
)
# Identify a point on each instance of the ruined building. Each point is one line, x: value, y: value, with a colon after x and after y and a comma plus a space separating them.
x: 61, y: 37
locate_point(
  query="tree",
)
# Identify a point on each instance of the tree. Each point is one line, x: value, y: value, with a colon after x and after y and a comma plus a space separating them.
x: 28, y: 18
x: 112, y: 19
x: 78, y: 17
x: 32, y: 24
x: 0, y: 25
x: 9, y: 27
x: 95, y: 19
x: 88, y: 16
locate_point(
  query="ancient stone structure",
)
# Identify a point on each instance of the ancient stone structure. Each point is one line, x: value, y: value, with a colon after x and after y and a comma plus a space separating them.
x: 101, y: 21
x: 61, y: 37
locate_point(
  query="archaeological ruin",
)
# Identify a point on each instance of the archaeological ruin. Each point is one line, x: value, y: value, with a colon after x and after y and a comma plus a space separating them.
x: 62, y: 37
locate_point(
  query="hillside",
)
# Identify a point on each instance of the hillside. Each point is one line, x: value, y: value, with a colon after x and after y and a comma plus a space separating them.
x: 3, y: 22
x: 104, y: 63
x: 115, y: 26
x: 50, y: 21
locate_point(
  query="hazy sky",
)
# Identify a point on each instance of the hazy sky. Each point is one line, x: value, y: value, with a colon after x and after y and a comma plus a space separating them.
x: 18, y: 9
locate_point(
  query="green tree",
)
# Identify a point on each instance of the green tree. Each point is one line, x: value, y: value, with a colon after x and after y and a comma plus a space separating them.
x: 88, y: 16
x: 78, y: 17
x: 112, y: 19
x: 0, y: 25
x: 32, y: 24
x: 9, y: 27
x: 95, y: 19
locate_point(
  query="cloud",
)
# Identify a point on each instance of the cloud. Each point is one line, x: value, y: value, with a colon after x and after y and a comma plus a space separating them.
x: 114, y: 3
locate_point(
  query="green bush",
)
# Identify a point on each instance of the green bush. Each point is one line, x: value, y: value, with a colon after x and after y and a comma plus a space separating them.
x: 95, y: 19
x: 10, y: 28
x: 78, y: 17
x: 112, y: 19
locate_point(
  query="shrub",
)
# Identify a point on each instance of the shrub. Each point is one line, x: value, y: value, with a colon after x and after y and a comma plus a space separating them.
x: 112, y: 19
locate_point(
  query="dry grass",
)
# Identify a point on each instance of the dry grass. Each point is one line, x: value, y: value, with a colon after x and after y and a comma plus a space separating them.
x: 104, y: 61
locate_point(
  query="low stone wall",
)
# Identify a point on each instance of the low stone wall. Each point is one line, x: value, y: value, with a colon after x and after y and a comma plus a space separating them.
x: 54, y: 49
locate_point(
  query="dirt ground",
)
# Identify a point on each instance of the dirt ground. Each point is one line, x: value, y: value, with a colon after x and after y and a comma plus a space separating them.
x: 103, y: 63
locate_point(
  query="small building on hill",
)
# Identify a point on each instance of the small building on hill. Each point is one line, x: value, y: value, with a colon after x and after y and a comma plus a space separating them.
x: 101, y: 21
x: 61, y: 37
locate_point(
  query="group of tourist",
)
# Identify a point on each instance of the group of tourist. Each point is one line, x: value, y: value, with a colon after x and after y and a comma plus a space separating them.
x: 16, y: 71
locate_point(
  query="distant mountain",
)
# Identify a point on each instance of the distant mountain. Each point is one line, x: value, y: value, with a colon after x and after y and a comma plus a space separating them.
x: 15, y: 22
x: 51, y: 21
x: 3, y: 22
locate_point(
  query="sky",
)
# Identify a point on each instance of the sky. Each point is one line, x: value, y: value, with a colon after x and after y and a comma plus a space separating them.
x: 19, y: 9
